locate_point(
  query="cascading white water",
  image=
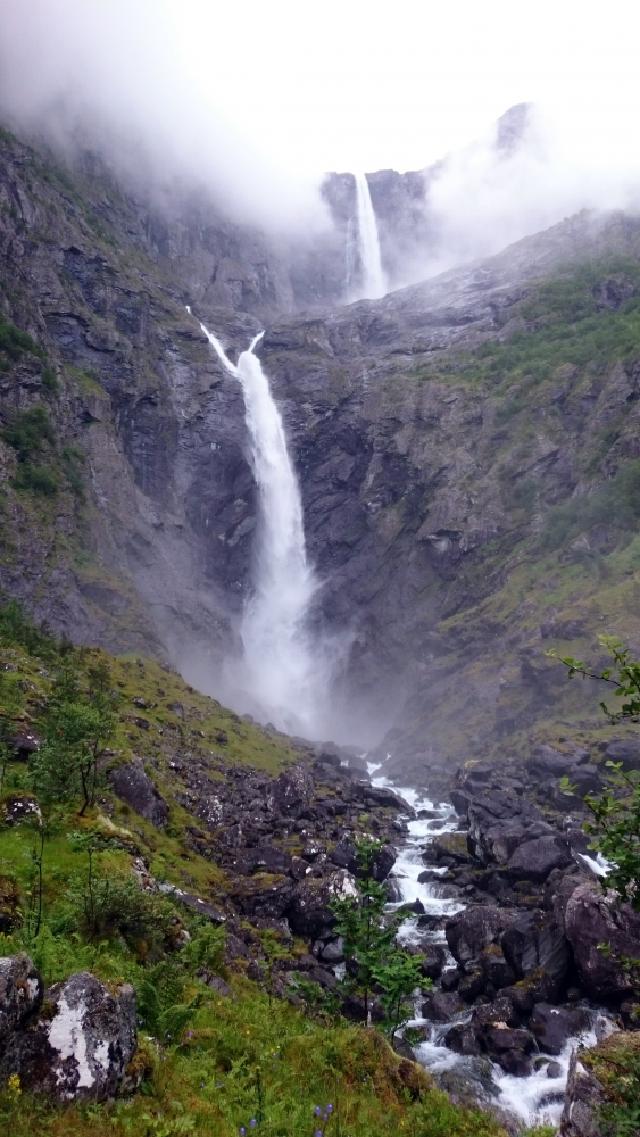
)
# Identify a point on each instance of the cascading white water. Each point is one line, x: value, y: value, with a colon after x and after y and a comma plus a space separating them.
x: 282, y: 672
x: 537, y: 1099
x: 373, y: 284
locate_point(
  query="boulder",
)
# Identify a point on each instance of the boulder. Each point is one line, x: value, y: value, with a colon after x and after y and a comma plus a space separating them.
x: 510, y: 1047
x: 309, y: 911
x: 535, y: 943
x: 21, y: 991
x: 584, y: 1099
x: 442, y: 1006
x: 624, y: 750
x: 80, y: 1049
x: 535, y: 859
x: 463, y: 1039
x: 474, y: 929
x: 552, y: 1026
x: 291, y: 792
x: 134, y: 786
x: 593, y: 918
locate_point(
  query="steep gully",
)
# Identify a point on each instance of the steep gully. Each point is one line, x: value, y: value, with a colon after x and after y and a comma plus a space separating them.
x: 284, y: 666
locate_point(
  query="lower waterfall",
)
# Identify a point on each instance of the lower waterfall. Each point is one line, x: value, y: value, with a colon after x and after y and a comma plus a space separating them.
x: 284, y: 670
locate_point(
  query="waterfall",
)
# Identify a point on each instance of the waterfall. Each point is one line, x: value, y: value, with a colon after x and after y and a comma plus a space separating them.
x: 283, y: 672
x: 373, y: 283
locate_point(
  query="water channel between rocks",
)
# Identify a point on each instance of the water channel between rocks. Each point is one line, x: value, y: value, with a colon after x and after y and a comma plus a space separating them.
x: 536, y: 1099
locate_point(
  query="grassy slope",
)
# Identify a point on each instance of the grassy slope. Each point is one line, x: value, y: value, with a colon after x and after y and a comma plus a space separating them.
x: 224, y: 1058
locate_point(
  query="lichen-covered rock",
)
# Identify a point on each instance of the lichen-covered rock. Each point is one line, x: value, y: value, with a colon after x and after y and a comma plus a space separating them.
x: 20, y: 996
x: 310, y: 914
x: 81, y: 1044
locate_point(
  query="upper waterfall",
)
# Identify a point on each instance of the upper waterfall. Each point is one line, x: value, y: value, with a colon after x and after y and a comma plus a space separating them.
x: 282, y: 673
x: 373, y: 284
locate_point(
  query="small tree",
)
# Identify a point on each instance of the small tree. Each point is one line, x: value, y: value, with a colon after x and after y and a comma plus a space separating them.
x: 616, y: 813
x: 375, y: 964
x: 77, y: 727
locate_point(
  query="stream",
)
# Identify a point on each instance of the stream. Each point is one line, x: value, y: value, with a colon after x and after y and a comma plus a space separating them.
x: 534, y: 1100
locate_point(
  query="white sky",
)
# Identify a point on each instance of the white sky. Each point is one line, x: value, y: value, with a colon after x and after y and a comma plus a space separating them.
x: 258, y: 98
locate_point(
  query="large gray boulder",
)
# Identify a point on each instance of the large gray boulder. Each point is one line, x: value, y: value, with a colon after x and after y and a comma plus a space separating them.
x: 604, y: 935
x: 534, y: 945
x: 474, y: 929
x: 79, y: 1049
x: 535, y: 859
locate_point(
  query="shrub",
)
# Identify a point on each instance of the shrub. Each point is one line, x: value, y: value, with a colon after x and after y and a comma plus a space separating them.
x: 36, y: 479
x: 29, y: 432
x: 50, y: 380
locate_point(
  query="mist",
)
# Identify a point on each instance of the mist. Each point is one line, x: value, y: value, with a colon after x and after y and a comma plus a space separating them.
x: 252, y: 107
x: 129, y: 81
x: 568, y: 159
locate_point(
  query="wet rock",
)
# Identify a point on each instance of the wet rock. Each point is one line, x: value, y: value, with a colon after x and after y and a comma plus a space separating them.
x: 134, y: 786
x: 474, y: 929
x: 552, y: 1026
x: 511, y: 1047
x: 584, y: 1099
x: 463, y: 1039
x: 450, y: 978
x: 432, y: 961
x: 592, y: 918
x: 382, y: 796
x: 442, y: 1006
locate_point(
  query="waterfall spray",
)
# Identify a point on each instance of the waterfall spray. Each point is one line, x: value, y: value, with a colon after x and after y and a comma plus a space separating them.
x: 283, y: 671
x: 373, y: 284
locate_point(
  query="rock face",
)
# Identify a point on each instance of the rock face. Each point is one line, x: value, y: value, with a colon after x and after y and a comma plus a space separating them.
x: 414, y: 532
x: 79, y: 1047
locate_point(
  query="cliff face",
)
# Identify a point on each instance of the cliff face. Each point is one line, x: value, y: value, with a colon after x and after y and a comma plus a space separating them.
x: 467, y: 450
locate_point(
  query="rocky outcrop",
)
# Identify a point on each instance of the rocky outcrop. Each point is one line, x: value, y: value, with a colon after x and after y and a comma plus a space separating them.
x: 135, y: 787
x: 601, y: 1080
x: 75, y: 1046
x: 604, y: 934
